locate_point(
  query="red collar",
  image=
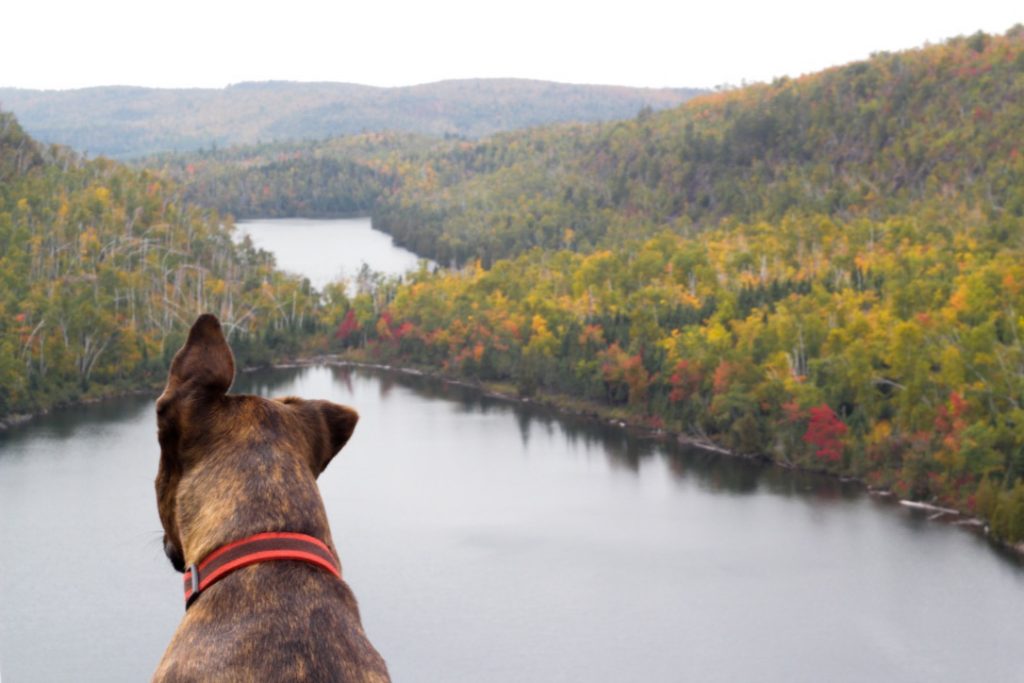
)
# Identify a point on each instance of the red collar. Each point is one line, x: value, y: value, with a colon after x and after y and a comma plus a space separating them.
x: 257, y: 548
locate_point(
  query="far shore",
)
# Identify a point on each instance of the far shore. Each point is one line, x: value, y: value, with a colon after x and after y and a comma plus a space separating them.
x: 598, y: 413
x: 564, y: 406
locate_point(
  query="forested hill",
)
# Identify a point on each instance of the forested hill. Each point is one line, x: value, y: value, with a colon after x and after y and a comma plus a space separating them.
x: 124, y: 122
x: 940, y: 124
x: 102, y: 269
x: 827, y: 272
x: 871, y: 139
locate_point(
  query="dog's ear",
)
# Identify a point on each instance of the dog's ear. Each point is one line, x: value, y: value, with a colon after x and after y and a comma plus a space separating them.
x: 340, y: 422
x: 204, y: 366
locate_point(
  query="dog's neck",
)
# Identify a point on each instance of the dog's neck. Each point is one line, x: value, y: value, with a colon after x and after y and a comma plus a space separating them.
x: 222, y: 505
x: 265, y: 547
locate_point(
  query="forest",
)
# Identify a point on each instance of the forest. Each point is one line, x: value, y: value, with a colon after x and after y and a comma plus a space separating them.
x: 104, y: 268
x: 825, y: 272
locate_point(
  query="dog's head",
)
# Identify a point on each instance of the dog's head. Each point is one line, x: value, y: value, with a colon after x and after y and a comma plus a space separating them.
x: 237, y: 464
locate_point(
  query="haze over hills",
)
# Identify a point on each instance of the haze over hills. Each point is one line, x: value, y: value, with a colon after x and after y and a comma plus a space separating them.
x: 125, y: 122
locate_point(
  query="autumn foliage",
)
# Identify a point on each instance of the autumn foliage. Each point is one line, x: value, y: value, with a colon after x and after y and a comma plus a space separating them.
x: 825, y: 432
x: 824, y: 270
x: 102, y: 270
x: 348, y: 325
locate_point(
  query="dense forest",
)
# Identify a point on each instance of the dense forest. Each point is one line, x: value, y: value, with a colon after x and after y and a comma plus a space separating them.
x: 871, y: 139
x: 826, y: 271
x: 128, y: 122
x: 103, y: 268
x: 316, y: 179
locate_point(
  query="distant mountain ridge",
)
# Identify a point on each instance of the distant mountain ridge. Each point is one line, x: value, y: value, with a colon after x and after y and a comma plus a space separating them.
x: 126, y: 122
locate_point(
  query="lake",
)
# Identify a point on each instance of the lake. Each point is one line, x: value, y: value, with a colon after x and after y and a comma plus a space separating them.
x: 491, y: 541
x: 327, y: 250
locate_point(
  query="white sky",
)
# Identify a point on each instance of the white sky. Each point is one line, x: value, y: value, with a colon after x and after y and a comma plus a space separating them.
x: 212, y: 43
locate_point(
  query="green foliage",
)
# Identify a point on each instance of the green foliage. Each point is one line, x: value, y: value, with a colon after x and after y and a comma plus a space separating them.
x: 1008, y: 516
x: 931, y: 130
x: 339, y: 177
x: 102, y: 270
x: 827, y: 271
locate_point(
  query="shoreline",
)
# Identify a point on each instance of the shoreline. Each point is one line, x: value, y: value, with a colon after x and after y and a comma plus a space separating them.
x: 934, y: 513
x: 16, y: 419
x: 585, y: 410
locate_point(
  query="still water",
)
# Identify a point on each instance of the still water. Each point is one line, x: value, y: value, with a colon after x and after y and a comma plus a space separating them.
x: 328, y: 250
x: 488, y: 541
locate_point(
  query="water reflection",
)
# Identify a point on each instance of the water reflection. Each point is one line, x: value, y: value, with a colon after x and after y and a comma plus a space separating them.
x: 627, y: 451
x: 266, y: 381
x: 67, y: 422
x: 470, y: 524
x: 624, y: 449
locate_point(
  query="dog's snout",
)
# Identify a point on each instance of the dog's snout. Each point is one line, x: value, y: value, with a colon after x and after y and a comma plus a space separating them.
x: 174, y: 554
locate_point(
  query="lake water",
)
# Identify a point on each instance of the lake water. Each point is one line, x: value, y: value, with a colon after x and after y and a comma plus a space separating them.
x: 327, y: 250
x: 489, y: 541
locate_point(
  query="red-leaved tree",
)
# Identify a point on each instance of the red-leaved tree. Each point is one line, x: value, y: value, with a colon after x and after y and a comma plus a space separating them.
x: 824, y: 432
x: 348, y: 325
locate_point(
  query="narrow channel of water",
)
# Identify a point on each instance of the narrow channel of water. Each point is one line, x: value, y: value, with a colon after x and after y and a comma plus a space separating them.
x: 328, y: 250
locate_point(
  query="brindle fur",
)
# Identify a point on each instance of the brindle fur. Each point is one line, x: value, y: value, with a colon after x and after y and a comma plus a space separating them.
x: 233, y: 466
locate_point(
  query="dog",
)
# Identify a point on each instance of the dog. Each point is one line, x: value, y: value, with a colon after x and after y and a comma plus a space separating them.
x: 237, y: 470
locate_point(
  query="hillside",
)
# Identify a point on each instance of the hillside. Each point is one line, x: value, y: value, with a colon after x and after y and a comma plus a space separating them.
x: 826, y: 272
x: 870, y: 139
x: 102, y: 269
x: 328, y: 178
x: 125, y: 122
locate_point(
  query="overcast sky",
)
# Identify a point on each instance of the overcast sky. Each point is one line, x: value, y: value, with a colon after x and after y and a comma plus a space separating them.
x: 213, y: 43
